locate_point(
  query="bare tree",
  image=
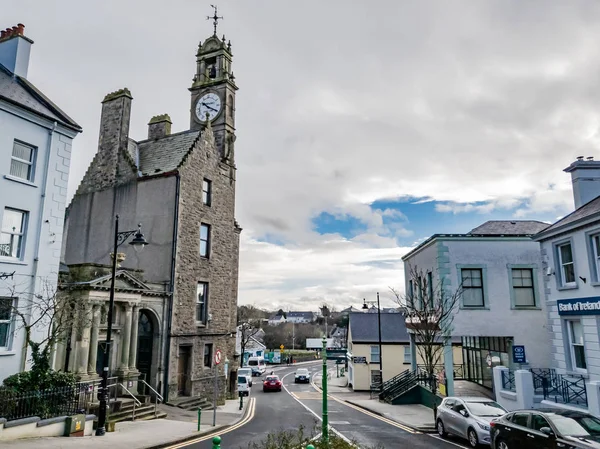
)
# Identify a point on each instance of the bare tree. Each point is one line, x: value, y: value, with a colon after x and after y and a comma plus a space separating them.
x: 248, y: 325
x: 429, y: 309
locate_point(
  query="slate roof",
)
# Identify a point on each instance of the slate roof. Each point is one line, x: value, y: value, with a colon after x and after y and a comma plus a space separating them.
x: 585, y: 211
x: 305, y: 315
x: 165, y: 154
x: 509, y: 227
x: 21, y: 92
x: 364, y: 328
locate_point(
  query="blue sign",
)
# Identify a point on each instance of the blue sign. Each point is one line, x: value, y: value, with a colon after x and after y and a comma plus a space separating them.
x: 579, y: 306
x: 519, y: 354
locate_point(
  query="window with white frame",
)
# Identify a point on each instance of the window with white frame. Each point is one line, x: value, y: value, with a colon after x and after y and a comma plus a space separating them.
x: 202, y: 302
x: 430, y: 289
x: 566, y: 264
x: 12, y: 233
x: 472, y: 287
x: 411, y: 298
x: 407, y: 354
x: 375, y: 354
x: 22, y: 161
x: 596, y: 251
x: 6, y: 305
x: 376, y: 377
x: 204, y: 240
x: 576, y: 345
x: 523, y: 290
x: 206, y: 192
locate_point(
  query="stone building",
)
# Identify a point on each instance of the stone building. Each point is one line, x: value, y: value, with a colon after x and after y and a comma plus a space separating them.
x: 181, y: 188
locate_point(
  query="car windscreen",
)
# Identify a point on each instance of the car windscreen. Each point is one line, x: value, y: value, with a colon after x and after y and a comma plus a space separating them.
x: 253, y: 363
x: 272, y: 379
x: 242, y: 380
x: 302, y: 372
x: 490, y: 408
x: 244, y: 371
x: 576, y: 425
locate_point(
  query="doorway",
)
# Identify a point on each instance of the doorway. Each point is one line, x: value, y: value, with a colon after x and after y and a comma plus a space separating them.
x: 183, y: 370
x: 144, y: 346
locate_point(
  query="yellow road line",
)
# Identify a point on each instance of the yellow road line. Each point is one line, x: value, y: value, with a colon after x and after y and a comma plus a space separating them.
x: 366, y: 412
x: 247, y: 419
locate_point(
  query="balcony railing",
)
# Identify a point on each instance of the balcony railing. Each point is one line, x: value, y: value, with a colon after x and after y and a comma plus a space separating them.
x: 458, y: 370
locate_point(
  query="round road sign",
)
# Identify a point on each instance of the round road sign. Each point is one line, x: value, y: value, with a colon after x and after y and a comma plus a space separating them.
x: 488, y: 360
x: 218, y: 356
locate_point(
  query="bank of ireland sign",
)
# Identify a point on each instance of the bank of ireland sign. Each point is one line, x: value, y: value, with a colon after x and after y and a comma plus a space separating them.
x: 579, y: 306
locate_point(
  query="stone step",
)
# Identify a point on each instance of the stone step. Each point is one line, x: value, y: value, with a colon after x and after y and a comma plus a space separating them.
x: 125, y: 414
x: 192, y: 403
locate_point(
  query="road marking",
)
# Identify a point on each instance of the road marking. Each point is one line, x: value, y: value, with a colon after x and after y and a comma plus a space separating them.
x: 307, y: 395
x: 246, y: 420
x: 371, y: 414
x: 447, y: 441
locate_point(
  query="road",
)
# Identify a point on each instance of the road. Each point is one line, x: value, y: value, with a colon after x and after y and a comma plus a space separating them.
x: 301, y: 405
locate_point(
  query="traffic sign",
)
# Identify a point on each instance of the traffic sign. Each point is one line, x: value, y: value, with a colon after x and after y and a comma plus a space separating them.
x: 281, y: 347
x: 519, y: 354
x: 488, y: 360
x: 218, y: 356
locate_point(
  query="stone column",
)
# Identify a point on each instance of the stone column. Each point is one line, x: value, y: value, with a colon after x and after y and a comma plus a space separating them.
x: 134, y: 339
x: 125, y: 339
x: 93, y: 353
x: 413, y: 352
x: 83, y: 345
x: 449, y: 366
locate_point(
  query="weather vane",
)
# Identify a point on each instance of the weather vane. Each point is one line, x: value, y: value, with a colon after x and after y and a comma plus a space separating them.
x: 215, y: 18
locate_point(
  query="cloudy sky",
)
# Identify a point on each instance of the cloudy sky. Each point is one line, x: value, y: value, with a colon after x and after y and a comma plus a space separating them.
x: 363, y: 126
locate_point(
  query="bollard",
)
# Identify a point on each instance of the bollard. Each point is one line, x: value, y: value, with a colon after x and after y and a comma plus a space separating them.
x: 241, y: 401
x: 310, y: 446
x: 216, y: 443
x: 337, y: 371
x: 199, y: 416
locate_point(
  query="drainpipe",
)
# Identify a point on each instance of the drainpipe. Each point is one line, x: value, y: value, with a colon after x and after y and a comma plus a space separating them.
x: 169, y: 320
x: 38, y: 238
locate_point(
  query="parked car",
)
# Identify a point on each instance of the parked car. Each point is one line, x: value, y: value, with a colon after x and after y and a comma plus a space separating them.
x: 272, y: 383
x: 468, y: 417
x: 246, y: 372
x: 257, y: 365
x: 243, y: 386
x: 546, y: 428
x: 302, y: 375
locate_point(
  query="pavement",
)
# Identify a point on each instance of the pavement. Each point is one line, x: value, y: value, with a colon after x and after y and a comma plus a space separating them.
x: 179, y: 426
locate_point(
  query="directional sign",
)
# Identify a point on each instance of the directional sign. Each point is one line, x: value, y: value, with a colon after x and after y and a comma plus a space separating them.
x: 281, y: 347
x: 218, y: 356
x: 488, y: 360
x: 359, y: 359
x: 519, y: 354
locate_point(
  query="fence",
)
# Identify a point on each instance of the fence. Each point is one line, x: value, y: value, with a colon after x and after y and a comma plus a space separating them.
x: 44, y: 403
x: 508, y: 380
x: 458, y: 370
x: 569, y: 389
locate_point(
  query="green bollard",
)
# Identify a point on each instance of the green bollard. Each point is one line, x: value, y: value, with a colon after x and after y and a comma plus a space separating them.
x: 217, y: 443
x: 241, y: 401
x: 199, y: 416
x: 337, y: 371
x: 310, y: 446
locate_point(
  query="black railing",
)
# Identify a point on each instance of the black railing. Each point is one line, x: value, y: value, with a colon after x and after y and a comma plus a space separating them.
x: 44, y: 403
x: 568, y: 389
x: 458, y: 370
x: 403, y: 382
x: 508, y: 380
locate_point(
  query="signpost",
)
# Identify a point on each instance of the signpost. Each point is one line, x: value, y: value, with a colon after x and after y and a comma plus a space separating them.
x: 519, y: 354
x: 218, y: 358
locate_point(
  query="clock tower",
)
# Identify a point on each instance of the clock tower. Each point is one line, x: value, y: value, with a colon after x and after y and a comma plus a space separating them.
x: 213, y: 94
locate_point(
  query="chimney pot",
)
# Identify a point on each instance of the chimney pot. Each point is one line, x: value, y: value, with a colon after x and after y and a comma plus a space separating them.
x: 8, y: 32
x: 15, y: 30
x: 2, y: 34
x: 579, y: 158
x: 590, y: 158
x: 21, y: 28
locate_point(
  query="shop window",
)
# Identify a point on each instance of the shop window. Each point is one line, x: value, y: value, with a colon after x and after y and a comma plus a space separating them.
x: 576, y: 345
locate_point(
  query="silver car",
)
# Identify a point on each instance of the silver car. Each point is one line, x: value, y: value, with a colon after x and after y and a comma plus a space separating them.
x: 468, y: 417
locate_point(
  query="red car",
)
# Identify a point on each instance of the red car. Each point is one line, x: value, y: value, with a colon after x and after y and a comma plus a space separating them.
x: 272, y: 383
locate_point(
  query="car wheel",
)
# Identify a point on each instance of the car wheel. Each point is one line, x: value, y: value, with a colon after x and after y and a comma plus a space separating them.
x: 501, y: 445
x: 473, y: 440
x: 441, y: 430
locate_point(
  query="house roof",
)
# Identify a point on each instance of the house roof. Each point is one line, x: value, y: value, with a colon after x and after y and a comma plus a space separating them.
x: 509, y: 227
x: 275, y: 317
x: 165, y: 154
x: 364, y: 328
x: 19, y: 91
x: 588, y: 210
x: 307, y: 315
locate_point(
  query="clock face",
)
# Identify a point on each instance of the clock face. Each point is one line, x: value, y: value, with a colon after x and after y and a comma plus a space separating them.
x: 208, y: 104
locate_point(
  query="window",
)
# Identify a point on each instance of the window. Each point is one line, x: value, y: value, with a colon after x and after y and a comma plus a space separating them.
x: 538, y: 421
x: 522, y: 282
x: 208, y: 354
x: 430, y: 289
x: 407, y: 354
x: 520, y: 419
x: 22, y: 161
x: 410, y: 293
x: 206, y: 192
x: 204, y: 240
x: 5, y: 321
x: 472, y: 284
x: 201, y: 302
x: 420, y: 304
x: 577, y: 345
x: 12, y: 232
x: 567, y: 267
x: 375, y: 354
x: 596, y: 251
x: 375, y: 377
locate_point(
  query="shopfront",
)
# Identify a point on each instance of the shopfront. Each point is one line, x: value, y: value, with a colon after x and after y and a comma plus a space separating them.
x: 481, y: 355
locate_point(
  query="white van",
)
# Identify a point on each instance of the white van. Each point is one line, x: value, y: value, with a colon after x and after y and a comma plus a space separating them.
x: 258, y: 365
x: 243, y: 386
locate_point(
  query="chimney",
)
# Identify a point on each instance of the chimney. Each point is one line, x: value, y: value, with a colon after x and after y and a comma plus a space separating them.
x: 15, y: 49
x: 585, y: 176
x: 159, y: 126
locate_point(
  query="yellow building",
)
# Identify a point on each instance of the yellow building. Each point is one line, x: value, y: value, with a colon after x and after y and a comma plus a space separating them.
x: 364, y: 359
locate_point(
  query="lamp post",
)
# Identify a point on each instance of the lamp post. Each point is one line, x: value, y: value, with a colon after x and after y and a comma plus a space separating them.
x: 325, y: 425
x: 138, y: 243
x: 365, y: 306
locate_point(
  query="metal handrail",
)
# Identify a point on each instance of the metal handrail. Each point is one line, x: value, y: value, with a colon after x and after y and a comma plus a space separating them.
x: 134, y: 398
x: 158, y: 396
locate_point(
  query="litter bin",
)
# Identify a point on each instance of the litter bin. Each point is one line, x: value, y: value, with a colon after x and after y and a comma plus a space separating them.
x: 74, y: 426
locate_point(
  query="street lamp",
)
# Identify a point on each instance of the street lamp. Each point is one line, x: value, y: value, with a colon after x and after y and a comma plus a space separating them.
x: 365, y: 306
x: 138, y: 244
